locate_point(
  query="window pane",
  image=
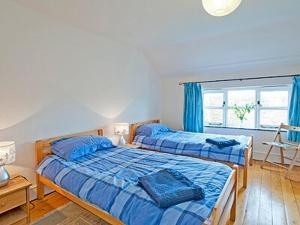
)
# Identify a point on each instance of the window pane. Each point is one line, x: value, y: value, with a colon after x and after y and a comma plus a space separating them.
x: 213, y: 116
x: 213, y: 99
x: 273, y: 117
x: 234, y: 121
x: 241, y: 97
x: 274, y: 98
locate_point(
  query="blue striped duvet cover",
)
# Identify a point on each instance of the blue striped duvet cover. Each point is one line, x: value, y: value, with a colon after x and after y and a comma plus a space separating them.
x: 108, y: 180
x: 194, y: 144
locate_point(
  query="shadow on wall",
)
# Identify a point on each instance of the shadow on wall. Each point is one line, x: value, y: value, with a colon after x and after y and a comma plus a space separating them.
x: 61, y: 117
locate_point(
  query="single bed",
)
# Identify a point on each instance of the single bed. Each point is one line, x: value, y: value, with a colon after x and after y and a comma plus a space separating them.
x: 104, y: 183
x: 194, y: 145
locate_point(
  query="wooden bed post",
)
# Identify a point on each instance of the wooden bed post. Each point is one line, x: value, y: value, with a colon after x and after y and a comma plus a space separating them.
x: 131, y: 133
x: 100, y: 132
x: 248, y: 155
x: 234, y: 205
x: 246, y: 166
x: 40, y: 188
x: 251, y: 149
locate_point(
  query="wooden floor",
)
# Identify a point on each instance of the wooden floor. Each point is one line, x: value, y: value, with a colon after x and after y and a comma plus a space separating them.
x: 270, y: 199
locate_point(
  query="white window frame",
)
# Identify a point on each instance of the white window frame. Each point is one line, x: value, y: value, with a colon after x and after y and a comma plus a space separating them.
x: 217, y: 107
x: 258, y: 107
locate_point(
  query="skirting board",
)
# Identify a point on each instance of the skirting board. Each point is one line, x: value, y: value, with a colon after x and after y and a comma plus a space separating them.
x: 273, y: 157
x: 33, y: 192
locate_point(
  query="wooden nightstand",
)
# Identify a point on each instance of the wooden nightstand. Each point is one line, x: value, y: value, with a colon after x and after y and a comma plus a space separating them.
x: 14, y: 202
x: 132, y: 146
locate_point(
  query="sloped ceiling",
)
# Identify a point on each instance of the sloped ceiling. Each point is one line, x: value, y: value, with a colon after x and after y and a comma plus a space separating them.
x: 180, y: 38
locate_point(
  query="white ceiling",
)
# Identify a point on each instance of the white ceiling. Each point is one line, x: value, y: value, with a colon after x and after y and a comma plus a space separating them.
x: 180, y: 38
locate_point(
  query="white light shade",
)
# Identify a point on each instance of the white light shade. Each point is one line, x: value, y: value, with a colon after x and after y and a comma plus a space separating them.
x: 7, y: 152
x: 121, y: 128
x: 220, y: 7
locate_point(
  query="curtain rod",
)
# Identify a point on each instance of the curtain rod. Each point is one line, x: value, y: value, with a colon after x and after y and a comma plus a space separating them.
x: 236, y: 79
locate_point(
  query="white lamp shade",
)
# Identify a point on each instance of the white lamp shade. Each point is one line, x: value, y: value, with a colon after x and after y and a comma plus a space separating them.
x: 220, y: 7
x: 7, y: 152
x: 121, y: 128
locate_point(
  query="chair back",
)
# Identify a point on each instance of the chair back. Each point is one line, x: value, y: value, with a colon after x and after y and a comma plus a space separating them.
x: 287, y: 128
x: 290, y: 128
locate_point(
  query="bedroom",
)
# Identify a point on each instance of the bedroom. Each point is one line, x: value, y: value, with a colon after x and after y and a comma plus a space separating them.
x: 72, y: 66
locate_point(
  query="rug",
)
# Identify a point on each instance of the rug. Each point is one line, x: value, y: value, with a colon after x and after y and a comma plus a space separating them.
x: 70, y: 214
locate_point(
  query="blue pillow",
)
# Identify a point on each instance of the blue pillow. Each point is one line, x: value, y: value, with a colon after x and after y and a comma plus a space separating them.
x: 152, y: 129
x: 76, y: 147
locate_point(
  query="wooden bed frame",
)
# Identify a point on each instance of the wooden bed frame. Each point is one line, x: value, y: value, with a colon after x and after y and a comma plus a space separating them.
x: 248, y: 152
x: 223, y: 212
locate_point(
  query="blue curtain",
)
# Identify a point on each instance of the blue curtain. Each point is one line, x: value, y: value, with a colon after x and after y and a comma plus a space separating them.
x: 193, y: 108
x: 294, y: 110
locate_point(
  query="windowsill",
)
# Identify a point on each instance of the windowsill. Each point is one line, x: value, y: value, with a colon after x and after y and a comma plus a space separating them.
x: 241, y: 128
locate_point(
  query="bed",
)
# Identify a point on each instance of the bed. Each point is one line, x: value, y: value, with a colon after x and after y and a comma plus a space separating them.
x: 100, y: 183
x: 194, y: 145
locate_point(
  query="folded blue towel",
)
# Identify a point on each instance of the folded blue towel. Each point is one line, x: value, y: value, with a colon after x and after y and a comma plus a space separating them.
x: 169, y: 187
x: 222, y: 141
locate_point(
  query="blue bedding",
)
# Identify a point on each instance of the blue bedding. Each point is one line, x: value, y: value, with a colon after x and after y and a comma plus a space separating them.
x: 194, y: 144
x: 109, y: 180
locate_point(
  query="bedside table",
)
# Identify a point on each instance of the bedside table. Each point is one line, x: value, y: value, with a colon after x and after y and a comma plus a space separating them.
x: 132, y: 146
x: 14, y: 202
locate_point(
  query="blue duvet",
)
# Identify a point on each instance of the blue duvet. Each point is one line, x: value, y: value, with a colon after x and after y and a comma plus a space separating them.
x: 109, y: 180
x: 194, y: 144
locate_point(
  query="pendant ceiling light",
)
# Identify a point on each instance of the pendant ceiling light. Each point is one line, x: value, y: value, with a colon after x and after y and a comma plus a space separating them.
x: 220, y: 7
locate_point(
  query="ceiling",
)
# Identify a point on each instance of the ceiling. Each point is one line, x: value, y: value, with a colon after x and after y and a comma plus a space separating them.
x: 179, y: 37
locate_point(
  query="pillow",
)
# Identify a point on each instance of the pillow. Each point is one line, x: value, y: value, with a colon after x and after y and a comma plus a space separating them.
x: 74, y: 147
x: 152, y: 129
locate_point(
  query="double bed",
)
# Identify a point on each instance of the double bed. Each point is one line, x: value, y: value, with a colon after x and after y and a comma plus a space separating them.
x: 105, y: 183
x: 195, y: 145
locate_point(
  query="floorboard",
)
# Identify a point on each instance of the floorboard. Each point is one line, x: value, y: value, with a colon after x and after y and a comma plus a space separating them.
x: 278, y: 208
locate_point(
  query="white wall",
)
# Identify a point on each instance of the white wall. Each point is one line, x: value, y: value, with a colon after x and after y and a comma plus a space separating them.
x: 172, y: 100
x: 56, y: 79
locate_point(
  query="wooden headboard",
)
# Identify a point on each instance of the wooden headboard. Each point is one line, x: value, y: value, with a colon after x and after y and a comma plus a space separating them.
x: 134, y: 126
x: 43, y: 147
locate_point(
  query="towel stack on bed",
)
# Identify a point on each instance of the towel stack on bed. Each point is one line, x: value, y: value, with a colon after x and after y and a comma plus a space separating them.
x: 222, y: 141
x: 169, y: 187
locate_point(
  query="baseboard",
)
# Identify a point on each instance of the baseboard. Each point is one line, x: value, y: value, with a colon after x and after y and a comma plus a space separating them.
x: 33, y: 191
x: 272, y: 157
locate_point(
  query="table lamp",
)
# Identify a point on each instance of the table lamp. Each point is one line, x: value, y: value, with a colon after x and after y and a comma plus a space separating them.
x: 121, y: 129
x: 7, y: 156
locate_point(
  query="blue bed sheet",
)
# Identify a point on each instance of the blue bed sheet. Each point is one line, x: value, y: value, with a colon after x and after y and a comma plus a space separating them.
x: 109, y: 178
x: 194, y: 144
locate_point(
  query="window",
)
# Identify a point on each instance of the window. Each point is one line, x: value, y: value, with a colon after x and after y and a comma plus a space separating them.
x: 273, y: 107
x: 213, y: 103
x: 257, y: 107
x: 240, y: 98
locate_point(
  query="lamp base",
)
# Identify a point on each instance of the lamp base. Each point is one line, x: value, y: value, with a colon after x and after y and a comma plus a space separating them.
x: 122, y: 141
x: 4, y: 176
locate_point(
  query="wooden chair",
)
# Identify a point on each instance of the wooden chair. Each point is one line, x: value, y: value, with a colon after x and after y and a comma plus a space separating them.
x: 284, y: 146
